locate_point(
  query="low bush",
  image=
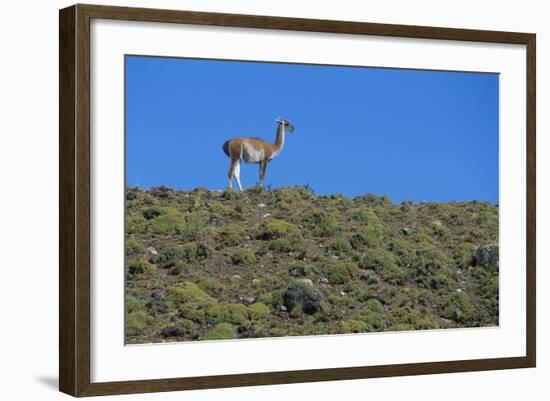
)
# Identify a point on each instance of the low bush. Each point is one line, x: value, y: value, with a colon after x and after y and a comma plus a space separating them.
x: 232, y: 235
x: 339, y: 272
x: 227, y: 313
x: 140, y: 266
x: 243, y: 256
x: 222, y: 331
x: 352, y: 326
x: 258, y: 311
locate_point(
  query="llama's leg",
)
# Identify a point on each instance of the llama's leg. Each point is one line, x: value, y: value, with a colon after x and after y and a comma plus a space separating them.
x: 263, y: 166
x: 230, y: 173
x: 237, y: 173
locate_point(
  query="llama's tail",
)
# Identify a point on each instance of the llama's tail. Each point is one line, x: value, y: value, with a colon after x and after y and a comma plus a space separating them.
x: 225, y: 148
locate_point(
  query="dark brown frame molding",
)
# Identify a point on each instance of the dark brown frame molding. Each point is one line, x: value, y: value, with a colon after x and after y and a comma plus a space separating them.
x: 74, y: 199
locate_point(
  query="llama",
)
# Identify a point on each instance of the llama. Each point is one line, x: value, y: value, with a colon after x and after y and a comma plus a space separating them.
x: 254, y: 150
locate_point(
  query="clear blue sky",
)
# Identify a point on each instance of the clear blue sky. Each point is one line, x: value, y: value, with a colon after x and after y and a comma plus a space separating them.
x: 419, y: 135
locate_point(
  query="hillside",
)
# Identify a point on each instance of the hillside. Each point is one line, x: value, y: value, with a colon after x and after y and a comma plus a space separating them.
x: 220, y: 264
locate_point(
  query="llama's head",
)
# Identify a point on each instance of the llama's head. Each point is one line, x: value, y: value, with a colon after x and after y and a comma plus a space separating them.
x: 287, y: 126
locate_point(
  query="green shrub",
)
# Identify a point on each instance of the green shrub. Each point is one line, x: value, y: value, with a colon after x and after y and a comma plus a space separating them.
x: 374, y: 321
x: 182, y: 329
x: 320, y: 223
x: 230, y: 194
x: 352, y: 326
x: 193, y: 229
x: 212, y: 286
x: 374, y: 305
x: 219, y: 209
x: 140, y: 266
x: 135, y: 318
x: 273, y: 228
x: 133, y: 247
x: 243, y: 256
x: 232, y: 235
x: 404, y: 252
x: 299, y: 268
x: 228, y: 313
x: 385, y: 264
x: 440, y: 279
x: 285, y: 245
x: 459, y: 308
x: 426, y: 324
x: 135, y: 223
x: 133, y: 304
x: 190, y: 301
x: 258, y: 311
x: 195, y: 250
x: 170, y: 221
x: 272, y: 298
x: 167, y: 256
x: 187, y: 292
x: 490, y: 289
x: 339, y: 272
x: 268, y: 282
x: 400, y: 327
x: 291, y: 195
x: 340, y: 246
x: 222, y: 331
x: 462, y: 255
x: 407, y: 315
x: 355, y: 289
x: 374, y: 200
x: 136, y: 323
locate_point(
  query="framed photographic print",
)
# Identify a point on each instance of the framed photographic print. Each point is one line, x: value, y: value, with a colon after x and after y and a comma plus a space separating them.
x: 250, y: 200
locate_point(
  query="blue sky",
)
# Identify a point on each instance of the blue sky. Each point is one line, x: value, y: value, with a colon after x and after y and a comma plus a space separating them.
x: 419, y: 135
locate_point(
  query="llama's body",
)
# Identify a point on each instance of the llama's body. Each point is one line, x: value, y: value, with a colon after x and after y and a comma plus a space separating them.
x: 254, y: 150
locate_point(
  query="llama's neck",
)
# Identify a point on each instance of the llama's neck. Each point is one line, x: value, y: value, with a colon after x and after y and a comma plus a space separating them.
x: 280, y: 139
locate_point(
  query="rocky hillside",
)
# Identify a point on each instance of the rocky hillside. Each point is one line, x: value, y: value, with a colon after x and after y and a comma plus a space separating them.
x: 206, y: 264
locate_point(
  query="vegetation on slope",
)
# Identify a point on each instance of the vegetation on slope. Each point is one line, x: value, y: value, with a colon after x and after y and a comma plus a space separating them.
x: 209, y: 265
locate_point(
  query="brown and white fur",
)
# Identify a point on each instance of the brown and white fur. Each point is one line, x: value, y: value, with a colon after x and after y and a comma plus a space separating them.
x: 254, y: 150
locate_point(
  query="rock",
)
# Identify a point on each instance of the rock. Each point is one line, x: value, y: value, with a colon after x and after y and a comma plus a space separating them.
x: 281, y: 310
x: 437, y: 223
x: 368, y: 278
x: 298, y: 272
x: 407, y: 230
x: 334, y: 257
x: 246, y: 331
x: 261, y: 205
x: 256, y: 281
x: 214, y: 222
x: 161, y: 192
x: 151, y: 213
x: 248, y: 300
x: 235, y: 278
x: 324, y: 280
x: 269, y: 255
x: 152, y: 251
x: 379, y: 297
x: 302, y: 292
x: 156, y: 294
x: 486, y: 256
x: 305, y: 281
x: 266, y: 215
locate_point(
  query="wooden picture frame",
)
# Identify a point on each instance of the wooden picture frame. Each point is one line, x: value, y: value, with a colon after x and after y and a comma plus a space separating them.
x: 74, y: 203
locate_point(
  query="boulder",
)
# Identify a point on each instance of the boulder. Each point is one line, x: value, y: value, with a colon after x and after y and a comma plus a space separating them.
x: 486, y: 256
x: 302, y: 292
